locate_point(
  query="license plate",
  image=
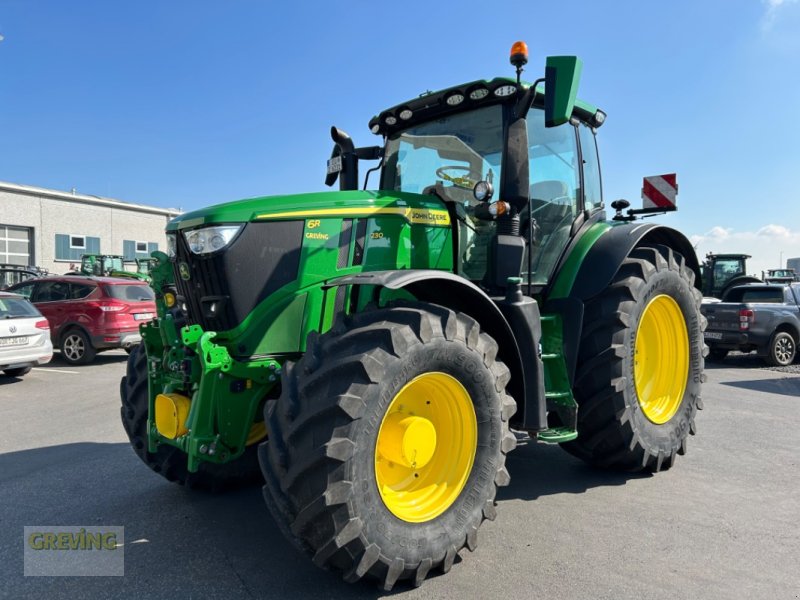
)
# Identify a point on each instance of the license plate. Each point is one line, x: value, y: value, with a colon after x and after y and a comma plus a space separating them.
x: 13, y: 341
x: 334, y: 165
x: 712, y: 335
x: 142, y: 316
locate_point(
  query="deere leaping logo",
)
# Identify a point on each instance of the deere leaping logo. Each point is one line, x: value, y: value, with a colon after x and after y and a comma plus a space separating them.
x: 183, y: 268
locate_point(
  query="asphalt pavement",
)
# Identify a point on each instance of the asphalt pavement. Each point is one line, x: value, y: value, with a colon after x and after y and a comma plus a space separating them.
x: 723, y: 523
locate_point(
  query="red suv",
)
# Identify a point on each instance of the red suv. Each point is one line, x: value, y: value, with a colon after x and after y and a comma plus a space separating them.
x: 90, y: 314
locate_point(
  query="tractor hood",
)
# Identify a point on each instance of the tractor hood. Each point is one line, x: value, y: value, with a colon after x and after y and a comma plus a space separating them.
x: 415, y: 208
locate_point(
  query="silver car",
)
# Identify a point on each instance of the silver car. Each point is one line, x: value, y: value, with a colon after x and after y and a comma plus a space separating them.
x: 24, y: 336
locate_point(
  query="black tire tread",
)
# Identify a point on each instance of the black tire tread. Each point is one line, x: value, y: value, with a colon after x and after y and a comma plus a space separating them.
x: 317, y: 398
x: 607, y: 437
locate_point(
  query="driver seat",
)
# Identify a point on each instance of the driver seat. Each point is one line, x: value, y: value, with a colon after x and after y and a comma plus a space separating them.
x: 547, y: 213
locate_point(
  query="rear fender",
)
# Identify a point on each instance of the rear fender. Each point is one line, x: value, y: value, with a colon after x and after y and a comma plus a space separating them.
x: 610, y: 250
x: 598, y: 269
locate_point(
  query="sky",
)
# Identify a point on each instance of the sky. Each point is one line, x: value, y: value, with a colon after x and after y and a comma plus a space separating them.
x: 189, y: 103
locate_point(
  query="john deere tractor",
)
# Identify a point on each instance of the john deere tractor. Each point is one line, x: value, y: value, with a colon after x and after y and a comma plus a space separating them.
x: 373, y: 356
x: 721, y: 272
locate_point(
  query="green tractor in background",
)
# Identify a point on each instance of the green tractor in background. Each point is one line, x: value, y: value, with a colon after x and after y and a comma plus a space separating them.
x: 113, y: 265
x: 374, y: 355
x: 141, y: 269
x: 721, y: 272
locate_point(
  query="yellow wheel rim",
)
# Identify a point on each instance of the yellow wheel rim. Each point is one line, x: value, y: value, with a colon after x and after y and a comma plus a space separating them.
x: 661, y: 359
x: 257, y: 433
x: 425, y: 447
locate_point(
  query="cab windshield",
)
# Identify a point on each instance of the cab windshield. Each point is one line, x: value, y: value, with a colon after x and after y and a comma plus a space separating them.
x: 457, y: 150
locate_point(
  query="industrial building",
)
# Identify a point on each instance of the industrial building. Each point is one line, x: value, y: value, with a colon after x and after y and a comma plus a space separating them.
x: 52, y: 229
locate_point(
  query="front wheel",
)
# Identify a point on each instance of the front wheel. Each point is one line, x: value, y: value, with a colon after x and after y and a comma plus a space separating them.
x: 640, y: 365
x: 388, y: 442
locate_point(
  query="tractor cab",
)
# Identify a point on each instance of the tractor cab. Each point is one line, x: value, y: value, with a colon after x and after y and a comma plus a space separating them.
x: 721, y: 272
x: 100, y: 265
x: 515, y: 171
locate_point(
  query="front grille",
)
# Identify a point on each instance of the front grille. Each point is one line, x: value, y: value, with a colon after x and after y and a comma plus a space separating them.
x: 223, y: 288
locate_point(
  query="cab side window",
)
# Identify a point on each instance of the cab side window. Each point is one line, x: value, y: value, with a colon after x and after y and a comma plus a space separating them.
x: 592, y: 183
x: 555, y: 196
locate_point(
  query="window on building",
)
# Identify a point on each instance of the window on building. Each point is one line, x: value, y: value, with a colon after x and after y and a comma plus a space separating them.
x: 16, y: 245
x: 131, y: 249
x: 70, y: 246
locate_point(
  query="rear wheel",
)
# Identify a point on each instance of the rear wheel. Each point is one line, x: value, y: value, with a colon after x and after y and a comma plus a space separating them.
x: 18, y: 372
x: 782, y: 349
x: 388, y: 442
x: 640, y: 365
x: 168, y: 461
x: 76, y: 347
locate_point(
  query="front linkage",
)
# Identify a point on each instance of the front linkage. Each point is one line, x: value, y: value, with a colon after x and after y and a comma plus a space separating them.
x: 200, y: 399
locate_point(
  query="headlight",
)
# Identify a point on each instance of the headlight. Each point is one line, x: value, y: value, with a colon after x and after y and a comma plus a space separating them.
x: 210, y: 239
x: 172, y: 245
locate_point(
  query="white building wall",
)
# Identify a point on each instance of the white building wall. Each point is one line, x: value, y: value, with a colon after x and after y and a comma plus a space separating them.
x: 50, y: 212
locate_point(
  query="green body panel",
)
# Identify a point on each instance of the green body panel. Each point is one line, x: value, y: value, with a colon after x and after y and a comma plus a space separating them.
x: 316, y: 205
x: 229, y: 374
x: 565, y: 278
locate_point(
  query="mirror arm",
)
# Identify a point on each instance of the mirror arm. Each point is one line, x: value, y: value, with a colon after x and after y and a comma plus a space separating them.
x: 524, y: 104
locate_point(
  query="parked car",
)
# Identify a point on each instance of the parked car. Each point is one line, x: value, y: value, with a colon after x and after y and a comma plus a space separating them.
x: 90, y: 314
x: 760, y: 317
x: 24, y: 336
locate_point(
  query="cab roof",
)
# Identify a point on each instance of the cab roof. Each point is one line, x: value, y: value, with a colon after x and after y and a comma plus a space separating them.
x: 472, y: 95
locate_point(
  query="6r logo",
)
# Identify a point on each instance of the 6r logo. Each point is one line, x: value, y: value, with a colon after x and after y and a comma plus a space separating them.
x: 313, y: 223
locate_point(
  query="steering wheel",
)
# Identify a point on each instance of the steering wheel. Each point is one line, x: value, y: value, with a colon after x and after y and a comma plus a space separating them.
x: 466, y: 182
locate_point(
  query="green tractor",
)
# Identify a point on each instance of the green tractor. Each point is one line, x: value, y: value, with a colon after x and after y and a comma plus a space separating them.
x: 141, y: 268
x: 720, y: 272
x: 98, y: 265
x: 112, y: 265
x: 375, y: 355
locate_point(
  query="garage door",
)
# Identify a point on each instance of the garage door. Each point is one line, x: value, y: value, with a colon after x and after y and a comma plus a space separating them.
x: 16, y: 245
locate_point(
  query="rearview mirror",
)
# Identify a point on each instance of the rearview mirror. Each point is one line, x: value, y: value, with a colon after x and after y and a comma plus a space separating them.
x: 562, y: 75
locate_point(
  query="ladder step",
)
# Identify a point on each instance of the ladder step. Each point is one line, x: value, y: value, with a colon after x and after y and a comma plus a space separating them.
x: 558, y: 394
x: 550, y: 356
x: 557, y: 435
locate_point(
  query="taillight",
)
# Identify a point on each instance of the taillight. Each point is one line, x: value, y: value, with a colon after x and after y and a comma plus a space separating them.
x: 43, y: 324
x: 107, y: 306
x: 746, y: 317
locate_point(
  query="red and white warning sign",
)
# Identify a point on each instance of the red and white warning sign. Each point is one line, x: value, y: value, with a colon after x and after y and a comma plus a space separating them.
x: 660, y: 191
